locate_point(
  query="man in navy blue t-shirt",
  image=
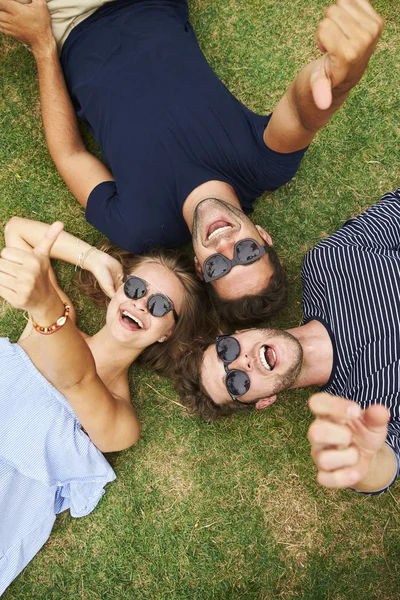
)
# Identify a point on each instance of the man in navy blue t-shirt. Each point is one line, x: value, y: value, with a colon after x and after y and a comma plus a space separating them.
x: 184, y: 155
x: 348, y: 344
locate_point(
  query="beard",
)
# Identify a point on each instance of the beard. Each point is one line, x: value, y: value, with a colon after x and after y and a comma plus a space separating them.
x: 286, y: 380
x: 201, y: 216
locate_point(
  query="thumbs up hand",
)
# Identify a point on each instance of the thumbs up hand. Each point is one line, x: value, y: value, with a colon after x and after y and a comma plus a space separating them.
x: 347, y: 35
x: 24, y: 275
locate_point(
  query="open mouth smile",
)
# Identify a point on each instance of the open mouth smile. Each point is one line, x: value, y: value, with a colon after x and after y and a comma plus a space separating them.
x: 267, y: 357
x: 130, y: 321
x: 217, y: 228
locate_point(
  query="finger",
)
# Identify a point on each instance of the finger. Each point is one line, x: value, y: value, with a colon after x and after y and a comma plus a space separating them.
x: 361, y: 10
x: 349, y: 22
x: 326, y: 433
x: 330, y: 36
x: 46, y: 243
x: 334, y: 407
x: 321, y: 87
x: 7, y: 284
x: 341, y: 478
x: 6, y: 5
x: 331, y: 460
x: 14, y: 255
x: 376, y: 417
x: 7, y: 267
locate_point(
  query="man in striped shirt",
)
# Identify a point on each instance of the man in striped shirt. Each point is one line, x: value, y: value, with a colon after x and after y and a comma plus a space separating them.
x: 348, y: 344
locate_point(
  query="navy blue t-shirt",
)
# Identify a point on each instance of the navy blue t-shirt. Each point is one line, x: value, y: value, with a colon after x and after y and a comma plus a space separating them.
x: 164, y: 122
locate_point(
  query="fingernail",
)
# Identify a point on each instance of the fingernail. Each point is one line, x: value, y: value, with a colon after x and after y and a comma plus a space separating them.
x: 353, y: 410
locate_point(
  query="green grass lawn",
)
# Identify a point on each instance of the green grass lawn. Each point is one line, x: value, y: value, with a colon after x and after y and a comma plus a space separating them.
x: 228, y: 510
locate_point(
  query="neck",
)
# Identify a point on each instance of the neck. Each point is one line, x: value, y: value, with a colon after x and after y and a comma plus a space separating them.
x: 112, y: 360
x: 317, y: 354
x: 210, y: 189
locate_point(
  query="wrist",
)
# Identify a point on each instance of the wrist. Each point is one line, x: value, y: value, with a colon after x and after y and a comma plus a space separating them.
x: 44, y: 48
x: 92, y: 258
x: 48, y: 311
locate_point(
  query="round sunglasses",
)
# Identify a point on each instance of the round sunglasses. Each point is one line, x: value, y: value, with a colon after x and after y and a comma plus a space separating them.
x: 245, y: 252
x: 237, y: 382
x: 158, y: 304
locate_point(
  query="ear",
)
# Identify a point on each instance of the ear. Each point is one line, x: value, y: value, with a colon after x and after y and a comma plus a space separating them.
x: 265, y: 236
x: 264, y: 402
x: 198, y: 268
x: 165, y: 336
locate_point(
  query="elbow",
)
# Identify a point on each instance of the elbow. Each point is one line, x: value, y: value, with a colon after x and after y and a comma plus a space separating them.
x: 11, y: 228
x: 123, y: 442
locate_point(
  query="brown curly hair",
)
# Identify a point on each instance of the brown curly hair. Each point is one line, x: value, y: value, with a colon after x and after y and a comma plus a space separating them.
x: 195, y: 314
x: 191, y: 391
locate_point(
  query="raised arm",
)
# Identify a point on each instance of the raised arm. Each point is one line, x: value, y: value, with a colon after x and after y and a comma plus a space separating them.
x: 26, y: 234
x: 348, y: 444
x: 63, y: 357
x: 347, y: 35
x: 31, y: 25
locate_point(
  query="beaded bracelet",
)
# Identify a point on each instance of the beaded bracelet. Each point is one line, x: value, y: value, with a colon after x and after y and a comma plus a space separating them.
x: 56, y: 326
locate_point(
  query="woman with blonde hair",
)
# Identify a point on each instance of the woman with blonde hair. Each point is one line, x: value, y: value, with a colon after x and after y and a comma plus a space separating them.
x: 64, y: 396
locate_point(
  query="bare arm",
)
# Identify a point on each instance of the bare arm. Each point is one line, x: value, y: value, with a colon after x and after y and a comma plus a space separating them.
x: 26, y: 234
x: 348, y: 444
x: 30, y: 24
x: 63, y: 357
x: 348, y: 36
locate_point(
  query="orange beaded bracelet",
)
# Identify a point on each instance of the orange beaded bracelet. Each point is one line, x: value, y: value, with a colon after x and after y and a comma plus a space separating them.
x: 56, y: 326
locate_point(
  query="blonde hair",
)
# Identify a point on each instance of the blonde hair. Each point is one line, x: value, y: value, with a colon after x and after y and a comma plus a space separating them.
x: 194, y: 317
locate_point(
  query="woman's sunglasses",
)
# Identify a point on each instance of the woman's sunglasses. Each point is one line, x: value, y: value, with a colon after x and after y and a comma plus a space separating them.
x: 237, y: 382
x: 245, y: 252
x: 158, y: 305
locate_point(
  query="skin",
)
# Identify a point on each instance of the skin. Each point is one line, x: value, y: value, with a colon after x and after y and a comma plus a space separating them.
x: 92, y: 372
x: 347, y: 443
x: 234, y: 226
x: 347, y: 36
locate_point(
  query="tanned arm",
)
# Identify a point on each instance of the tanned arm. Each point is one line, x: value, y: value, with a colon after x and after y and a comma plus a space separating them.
x: 63, y: 357
x: 31, y: 25
x: 348, y: 36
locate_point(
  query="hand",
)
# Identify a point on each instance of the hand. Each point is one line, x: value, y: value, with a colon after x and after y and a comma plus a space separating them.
x: 107, y: 270
x: 345, y: 440
x: 24, y: 275
x: 29, y: 23
x: 348, y: 35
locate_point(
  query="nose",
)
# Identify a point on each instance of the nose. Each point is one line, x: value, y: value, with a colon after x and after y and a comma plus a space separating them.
x: 140, y: 303
x: 243, y: 362
x: 225, y: 247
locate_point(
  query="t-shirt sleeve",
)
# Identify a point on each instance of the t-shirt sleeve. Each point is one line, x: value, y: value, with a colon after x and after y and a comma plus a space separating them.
x: 274, y: 168
x: 103, y: 211
x: 379, y: 226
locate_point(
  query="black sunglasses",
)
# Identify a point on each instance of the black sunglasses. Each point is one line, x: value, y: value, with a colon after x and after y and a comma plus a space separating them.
x: 158, y: 305
x: 237, y: 382
x: 245, y: 252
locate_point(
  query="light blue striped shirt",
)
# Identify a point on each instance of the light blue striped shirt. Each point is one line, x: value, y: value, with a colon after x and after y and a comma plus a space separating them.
x: 47, y: 463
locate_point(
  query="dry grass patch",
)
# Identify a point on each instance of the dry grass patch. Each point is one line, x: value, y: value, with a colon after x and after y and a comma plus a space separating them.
x: 171, y: 469
x: 291, y: 515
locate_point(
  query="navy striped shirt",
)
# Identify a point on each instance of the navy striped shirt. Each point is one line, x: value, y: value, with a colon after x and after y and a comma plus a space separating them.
x: 351, y: 285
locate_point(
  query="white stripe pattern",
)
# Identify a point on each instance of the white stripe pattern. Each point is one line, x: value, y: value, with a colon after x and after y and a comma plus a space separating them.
x: 47, y: 463
x: 351, y: 284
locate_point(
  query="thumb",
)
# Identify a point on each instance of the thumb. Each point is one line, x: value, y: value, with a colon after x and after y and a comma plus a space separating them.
x: 376, y: 417
x: 321, y: 87
x: 46, y: 243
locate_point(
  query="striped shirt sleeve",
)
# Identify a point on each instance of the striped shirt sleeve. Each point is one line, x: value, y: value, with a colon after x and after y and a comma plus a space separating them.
x: 378, y: 226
